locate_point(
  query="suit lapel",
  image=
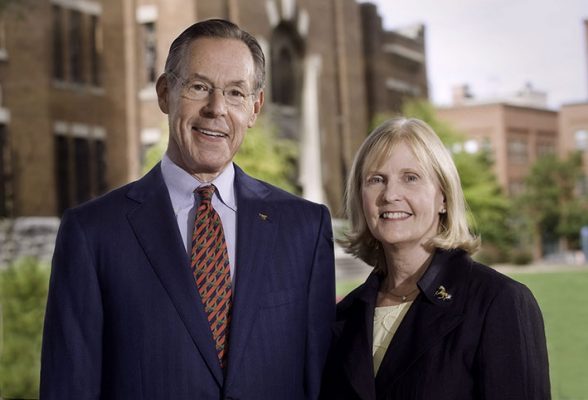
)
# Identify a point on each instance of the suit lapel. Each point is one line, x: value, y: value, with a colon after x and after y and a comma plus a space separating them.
x: 154, y: 224
x: 257, y: 224
x: 429, y: 319
x: 356, y: 341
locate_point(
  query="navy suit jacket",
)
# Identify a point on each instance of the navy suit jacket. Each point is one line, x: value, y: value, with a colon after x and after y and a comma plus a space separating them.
x: 485, y: 342
x: 125, y: 321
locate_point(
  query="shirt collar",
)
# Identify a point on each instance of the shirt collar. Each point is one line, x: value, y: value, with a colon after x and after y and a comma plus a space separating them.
x: 181, y: 185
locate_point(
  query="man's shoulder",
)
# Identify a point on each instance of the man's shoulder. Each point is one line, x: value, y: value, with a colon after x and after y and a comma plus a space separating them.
x: 272, y: 193
x: 118, y: 201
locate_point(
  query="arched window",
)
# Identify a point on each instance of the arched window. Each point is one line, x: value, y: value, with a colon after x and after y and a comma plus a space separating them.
x: 581, y: 138
x: 286, y: 59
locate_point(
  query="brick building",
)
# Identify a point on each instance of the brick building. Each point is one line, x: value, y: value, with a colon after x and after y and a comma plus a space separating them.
x: 515, y: 131
x: 573, y: 123
x: 78, y: 105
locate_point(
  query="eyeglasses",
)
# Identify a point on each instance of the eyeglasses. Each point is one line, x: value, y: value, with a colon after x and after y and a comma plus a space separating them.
x: 198, y: 90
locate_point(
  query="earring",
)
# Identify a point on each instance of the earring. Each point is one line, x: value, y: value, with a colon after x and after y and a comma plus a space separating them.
x: 443, y: 211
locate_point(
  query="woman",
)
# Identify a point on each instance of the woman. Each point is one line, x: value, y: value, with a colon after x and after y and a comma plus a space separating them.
x: 429, y: 322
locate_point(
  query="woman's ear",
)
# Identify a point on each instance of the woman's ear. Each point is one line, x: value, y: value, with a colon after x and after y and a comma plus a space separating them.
x: 443, y: 207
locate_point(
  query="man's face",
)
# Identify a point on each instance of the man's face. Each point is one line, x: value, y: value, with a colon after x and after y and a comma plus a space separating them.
x: 205, y: 130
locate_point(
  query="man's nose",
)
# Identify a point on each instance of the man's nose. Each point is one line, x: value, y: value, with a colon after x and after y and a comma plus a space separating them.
x: 215, y: 103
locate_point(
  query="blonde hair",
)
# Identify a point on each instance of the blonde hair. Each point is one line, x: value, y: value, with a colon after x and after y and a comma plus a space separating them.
x: 453, y: 231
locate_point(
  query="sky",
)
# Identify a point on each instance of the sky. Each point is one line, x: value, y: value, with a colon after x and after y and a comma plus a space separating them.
x: 498, y: 46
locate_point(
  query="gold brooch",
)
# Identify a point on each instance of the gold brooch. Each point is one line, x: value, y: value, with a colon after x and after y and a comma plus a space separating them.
x: 441, y: 293
x: 263, y: 216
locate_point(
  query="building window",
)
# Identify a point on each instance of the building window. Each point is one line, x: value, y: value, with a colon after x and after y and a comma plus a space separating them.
x: 287, y: 49
x: 62, y: 173
x: 80, y: 169
x: 96, y: 50
x: 58, y: 67
x: 100, y: 166
x: 545, y: 148
x: 581, y: 139
x: 3, y: 174
x: 149, y: 53
x: 75, y: 47
x: 518, y: 152
x: 83, y: 182
x: 283, y: 89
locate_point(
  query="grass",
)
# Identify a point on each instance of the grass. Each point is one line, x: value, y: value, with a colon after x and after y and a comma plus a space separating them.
x: 563, y: 298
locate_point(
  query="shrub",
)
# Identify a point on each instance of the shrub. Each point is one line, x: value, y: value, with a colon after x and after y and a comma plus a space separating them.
x: 23, y: 295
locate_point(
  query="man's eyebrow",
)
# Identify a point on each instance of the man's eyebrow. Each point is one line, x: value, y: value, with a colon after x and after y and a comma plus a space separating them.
x: 196, y: 75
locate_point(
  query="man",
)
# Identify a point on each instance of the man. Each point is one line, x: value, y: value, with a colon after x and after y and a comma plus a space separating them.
x: 197, y: 281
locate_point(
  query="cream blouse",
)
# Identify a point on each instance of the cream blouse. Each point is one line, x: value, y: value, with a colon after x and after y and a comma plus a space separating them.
x: 386, y: 322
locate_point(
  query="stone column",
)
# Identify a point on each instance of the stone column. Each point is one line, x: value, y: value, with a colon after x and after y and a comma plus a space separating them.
x: 311, y: 177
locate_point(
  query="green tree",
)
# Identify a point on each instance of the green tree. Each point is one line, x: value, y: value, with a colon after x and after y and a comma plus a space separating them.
x: 154, y: 153
x: 489, y: 206
x: 550, y: 202
x: 268, y: 157
x: 23, y: 294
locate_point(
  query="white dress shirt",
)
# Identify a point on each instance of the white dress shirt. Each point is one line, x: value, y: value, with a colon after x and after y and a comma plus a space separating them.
x: 181, y: 186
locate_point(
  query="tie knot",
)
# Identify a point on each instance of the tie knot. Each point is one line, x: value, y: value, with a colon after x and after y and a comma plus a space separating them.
x: 206, y: 192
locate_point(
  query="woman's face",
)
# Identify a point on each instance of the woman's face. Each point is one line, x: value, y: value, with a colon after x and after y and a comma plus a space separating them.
x: 401, y: 202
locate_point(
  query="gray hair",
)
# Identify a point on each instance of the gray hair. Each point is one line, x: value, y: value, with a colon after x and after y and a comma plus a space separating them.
x: 217, y: 28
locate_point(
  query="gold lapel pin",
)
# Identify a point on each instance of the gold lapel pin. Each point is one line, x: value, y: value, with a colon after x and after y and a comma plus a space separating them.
x: 263, y: 216
x: 441, y: 293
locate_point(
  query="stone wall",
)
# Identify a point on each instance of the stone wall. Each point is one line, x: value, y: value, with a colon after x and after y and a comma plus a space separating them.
x: 27, y: 236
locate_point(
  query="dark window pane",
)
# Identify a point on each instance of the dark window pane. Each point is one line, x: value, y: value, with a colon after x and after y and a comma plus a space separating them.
x: 100, y: 166
x: 96, y: 43
x: 3, y: 177
x: 82, y: 170
x: 62, y: 173
x: 150, y: 52
x: 75, y: 46
x: 58, y: 70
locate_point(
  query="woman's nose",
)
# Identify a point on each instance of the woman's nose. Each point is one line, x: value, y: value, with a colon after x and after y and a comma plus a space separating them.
x: 392, y: 193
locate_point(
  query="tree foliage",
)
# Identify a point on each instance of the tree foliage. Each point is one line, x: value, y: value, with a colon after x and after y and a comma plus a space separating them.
x: 268, y: 157
x: 551, y: 201
x: 23, y: 294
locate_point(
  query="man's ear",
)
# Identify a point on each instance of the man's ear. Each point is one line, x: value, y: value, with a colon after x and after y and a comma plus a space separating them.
x: 162, y: 89
x: 256, y: 109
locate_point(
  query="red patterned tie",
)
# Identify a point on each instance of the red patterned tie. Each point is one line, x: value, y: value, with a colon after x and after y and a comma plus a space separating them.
x: 210, y: 265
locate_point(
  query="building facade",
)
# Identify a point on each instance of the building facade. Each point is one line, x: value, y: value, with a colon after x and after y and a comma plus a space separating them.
x: 78, y: 105
x: 573, y: 133
x: 396, y: 65
x: 515, y: 132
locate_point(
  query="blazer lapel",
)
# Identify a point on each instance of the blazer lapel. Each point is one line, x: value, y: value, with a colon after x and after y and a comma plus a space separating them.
x: 257, y: 224
x: 153, y: 222
x: 432, y: 316
x: 356, y: 341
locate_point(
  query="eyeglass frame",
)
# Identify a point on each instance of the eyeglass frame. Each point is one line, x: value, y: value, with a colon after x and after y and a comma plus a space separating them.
x: 210, y: 90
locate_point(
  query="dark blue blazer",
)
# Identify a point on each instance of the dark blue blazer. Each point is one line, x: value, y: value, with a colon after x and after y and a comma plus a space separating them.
x: 125, y: 321
x: 486, y: 341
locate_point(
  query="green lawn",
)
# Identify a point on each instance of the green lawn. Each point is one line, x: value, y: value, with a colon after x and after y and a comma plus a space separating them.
x: 563, y: 298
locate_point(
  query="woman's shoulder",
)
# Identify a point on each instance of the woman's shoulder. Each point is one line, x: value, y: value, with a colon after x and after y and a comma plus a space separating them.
x: 495, y: 287
x: 364, y: 293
